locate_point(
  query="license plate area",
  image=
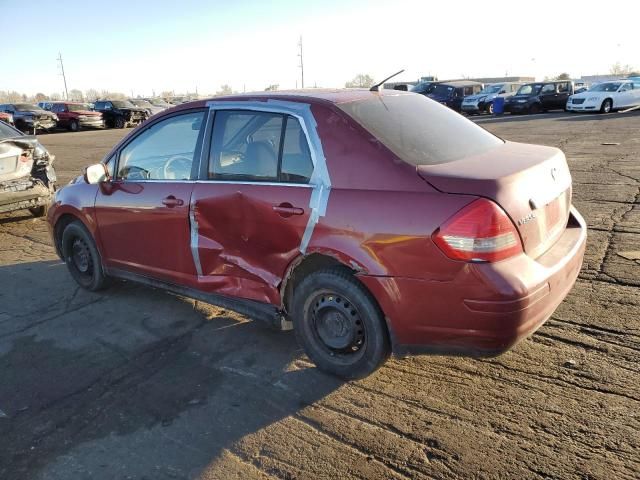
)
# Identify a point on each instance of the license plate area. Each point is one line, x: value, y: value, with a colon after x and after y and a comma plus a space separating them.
x: 8, y: 165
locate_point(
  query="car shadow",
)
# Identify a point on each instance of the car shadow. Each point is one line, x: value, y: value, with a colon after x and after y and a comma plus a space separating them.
x: 11, y: 217
x: 95, y: 376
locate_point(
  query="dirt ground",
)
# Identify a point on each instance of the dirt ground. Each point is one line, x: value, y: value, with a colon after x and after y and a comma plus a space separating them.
x: 135, y: 383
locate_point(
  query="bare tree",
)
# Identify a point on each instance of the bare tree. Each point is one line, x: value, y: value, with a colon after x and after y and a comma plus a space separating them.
x: 563, y: 76
x: 224, y: 90
x: 621, y: 70
x: 75, y: 95
x: 272, y: 88
x: 40, y: 97
x: 55, y: 96
x: 91, y: 95
x: 360, y: 81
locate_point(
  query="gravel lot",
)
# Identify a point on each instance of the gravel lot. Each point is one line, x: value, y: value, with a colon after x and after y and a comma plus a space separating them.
x: 135, y: 383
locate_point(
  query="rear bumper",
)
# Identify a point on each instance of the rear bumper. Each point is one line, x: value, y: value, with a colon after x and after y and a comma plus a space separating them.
x: 23, y: 193
x: 488, y: 307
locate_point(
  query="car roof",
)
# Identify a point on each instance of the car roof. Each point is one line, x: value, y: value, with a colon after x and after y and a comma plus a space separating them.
x: 461, y: 83
x: 311, y: 96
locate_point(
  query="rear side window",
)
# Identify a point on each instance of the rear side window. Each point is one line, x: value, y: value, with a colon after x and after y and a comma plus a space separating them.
x: 258, y: 146
x: 419, y: 130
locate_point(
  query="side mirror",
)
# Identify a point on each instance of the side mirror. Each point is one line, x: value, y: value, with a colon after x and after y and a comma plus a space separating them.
x: 503, y: 91
x: 97, y: 173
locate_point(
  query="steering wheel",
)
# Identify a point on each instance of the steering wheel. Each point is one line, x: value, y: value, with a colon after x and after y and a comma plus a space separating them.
x: 176, y: 165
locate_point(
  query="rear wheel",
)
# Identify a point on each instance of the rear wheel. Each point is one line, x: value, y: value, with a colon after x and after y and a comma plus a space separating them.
x: 82, y: 258
x: 606, y: 106
x: 339, y: 324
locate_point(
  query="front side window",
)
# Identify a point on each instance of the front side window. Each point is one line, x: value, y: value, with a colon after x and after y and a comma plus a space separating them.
x: 258, y: 146
x: 164, y: 151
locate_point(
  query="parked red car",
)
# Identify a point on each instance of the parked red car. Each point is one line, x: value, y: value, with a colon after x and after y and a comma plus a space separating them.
x: 370, y: 222
x: 6, y: 118
x: 75, y: 115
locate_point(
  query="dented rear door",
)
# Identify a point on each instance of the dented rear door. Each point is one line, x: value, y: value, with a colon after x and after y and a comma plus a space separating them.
x: 250, y: 211
x: 245, y: 240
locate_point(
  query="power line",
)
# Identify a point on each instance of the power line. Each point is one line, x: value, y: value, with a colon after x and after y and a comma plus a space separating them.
x: 66, y: 92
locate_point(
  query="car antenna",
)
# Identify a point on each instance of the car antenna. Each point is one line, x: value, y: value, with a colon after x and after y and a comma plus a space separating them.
x: 375, y: 87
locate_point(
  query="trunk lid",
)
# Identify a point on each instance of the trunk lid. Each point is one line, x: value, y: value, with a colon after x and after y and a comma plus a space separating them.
x: 531, y: 183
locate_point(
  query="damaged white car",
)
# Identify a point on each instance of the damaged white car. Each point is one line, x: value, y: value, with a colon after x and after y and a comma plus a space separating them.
x: 27, y: 177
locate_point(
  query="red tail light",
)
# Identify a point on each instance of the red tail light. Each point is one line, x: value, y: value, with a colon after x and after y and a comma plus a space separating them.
x: 481, y: 231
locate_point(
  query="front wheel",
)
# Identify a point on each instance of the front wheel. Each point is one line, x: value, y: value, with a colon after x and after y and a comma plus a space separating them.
x: 339, y: 324
x: 535, y: 108
x: 606, y: 106
x: 119, y: 122
x: 489, y: 108
x: 82, y: 257
x: 74, y: 126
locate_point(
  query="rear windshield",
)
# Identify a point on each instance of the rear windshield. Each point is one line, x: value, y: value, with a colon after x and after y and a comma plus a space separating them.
x: 419, y: 130
x: 7, y: 131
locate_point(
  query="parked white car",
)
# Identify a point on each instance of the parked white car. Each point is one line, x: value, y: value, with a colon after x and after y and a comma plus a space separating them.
x: 605, y: 97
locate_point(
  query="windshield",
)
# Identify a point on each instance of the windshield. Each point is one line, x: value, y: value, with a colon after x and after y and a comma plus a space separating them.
x: 424, y: 87
x: 122, y: 104
x: 492, y: 88
x: 6, y: 131
x: 419, y: 130
x: 74, y: 107
x: 159, y: 103
x: 141, y: 103
x: 441, y: 90
x: 531, y: 89
x: 606, y: 87
x: 25, y: 107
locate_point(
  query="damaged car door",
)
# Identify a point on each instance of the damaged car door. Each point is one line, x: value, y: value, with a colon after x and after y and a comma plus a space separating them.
x: 143, y: 212
x: 252, y: 207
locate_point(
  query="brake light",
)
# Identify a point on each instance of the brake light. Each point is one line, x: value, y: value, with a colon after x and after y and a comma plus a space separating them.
x: 481, y: 232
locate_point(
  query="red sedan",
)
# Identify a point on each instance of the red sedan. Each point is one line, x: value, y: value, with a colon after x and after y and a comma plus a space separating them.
x: 369, y: 222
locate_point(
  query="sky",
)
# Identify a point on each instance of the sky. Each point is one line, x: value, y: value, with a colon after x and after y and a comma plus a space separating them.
x: 145, y: 47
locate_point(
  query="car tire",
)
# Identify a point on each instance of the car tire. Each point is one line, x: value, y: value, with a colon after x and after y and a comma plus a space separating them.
x: 339, y: 324
x: 74, y: 126
x: 535, y: 108
x: 607, y: 106
x: 40, y: 211
x: 83, y: 260
x: 489, y: 108
x: 119, y: 122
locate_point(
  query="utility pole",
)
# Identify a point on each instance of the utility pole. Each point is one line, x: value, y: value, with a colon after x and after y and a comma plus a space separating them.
x: 301, y: 62
x: 63, y: 76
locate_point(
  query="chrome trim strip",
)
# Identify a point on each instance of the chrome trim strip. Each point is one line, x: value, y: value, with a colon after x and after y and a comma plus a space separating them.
x: 193, y: 224
x: 320, y: 180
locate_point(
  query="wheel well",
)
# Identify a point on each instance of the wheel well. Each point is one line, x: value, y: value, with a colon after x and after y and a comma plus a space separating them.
x: 59, y: 227
x: 306, y: 266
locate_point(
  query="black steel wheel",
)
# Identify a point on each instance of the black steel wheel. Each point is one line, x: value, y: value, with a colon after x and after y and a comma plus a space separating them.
x: 119, y: 122
x: 82, y: 257
x: 535, y: 108
x: 339, y: 324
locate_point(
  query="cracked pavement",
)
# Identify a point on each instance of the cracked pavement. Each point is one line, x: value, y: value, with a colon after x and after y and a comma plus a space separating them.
x: 135, y: 383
